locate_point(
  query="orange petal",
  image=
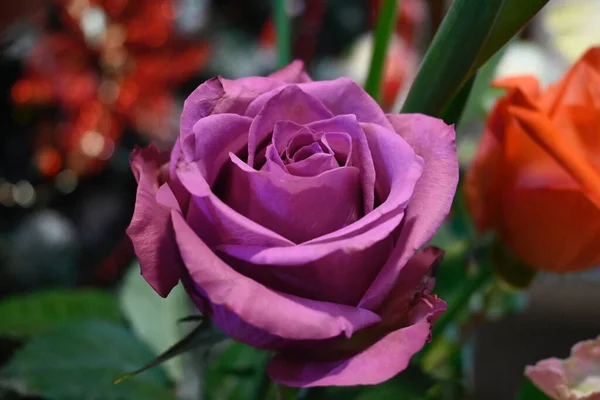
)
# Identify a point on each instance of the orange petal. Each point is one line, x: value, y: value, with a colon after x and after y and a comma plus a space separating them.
x: 542, y: 131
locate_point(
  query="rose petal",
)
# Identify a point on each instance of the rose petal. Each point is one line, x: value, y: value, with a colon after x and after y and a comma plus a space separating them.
x: 313, y: 165
x: 219, y: 96
x: 241, y: 304
x: 344, y: 262
x: 216, y: 222
x: 378, y: 363
x: 150, y: 229
x: 433, y: 140
x: 288, y: 104
x: 298, y: 208
x: 294, y: 72
x: 340, y: 96
x: 213, y: 138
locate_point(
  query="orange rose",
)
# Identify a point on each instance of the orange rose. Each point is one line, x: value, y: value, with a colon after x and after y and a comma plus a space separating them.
x: 536, y: 177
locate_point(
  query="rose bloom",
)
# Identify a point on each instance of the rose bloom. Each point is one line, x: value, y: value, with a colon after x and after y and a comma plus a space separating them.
x: 294, y: 213
x: 535, y: 179
x: 576, y: 378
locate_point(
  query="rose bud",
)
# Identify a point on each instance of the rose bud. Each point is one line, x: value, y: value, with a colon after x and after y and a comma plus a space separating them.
x: 294, y: 213
x: 535, y: 179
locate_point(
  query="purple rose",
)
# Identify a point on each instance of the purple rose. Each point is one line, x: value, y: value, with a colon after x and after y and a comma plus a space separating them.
x: 293, y: 213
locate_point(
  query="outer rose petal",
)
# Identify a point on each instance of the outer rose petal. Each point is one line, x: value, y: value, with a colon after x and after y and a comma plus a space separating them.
x: 292, y: 73
x: 377, y: 363
x: 340, y: 96
x: 151, y: 230
x: 434, y: 141
x: 243, y: 307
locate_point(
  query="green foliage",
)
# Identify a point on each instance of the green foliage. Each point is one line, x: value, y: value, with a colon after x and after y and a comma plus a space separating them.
x: 529, y: 391
x: 471, y: 33
x: 237, y: 373
x: 202, y: 336
x: 283, y: 32
x: 386, y: 21
x: 152, y: 318
x: 31, y: 314
x: 80, y: 362
x: 514, y: 15
x: 451, y: 56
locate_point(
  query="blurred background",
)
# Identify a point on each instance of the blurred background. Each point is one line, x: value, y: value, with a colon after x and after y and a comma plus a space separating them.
x: 84, y: 81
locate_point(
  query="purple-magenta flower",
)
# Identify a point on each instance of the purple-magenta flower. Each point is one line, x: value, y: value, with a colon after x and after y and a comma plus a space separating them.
x: 293, y: 213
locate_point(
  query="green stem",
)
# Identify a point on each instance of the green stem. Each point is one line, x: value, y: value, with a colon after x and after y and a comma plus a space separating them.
x: 282, y: 28
x: 386, y: 22
x: 470, y: 287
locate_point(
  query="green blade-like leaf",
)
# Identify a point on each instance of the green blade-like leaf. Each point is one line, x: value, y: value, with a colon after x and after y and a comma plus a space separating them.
x: 27, y: 315
x: 237, y: 373
x: 450, y: 58
x: 454, y: 111
x: 383, y: 32
x: 203, y: 336
x: 513, y: 16
x: 80, y: 361
x: 282, y: 29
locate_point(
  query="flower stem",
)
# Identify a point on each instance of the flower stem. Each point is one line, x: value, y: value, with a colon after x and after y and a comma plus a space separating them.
x: 282, y: 28
x: 386, y: 22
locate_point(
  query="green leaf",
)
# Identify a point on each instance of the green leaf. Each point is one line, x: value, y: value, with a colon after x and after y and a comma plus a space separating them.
x: 514, y: 15
x: 529, y: 391
x: 481, y: 87
x: 153, y: 318
x: 202, y: 336
x: 449, y: 61
x: 31, y: 314
x: 80, y: 361
x: 510, y: 270
x: 386, y: 22
x: 282, y: 29
x: 454, y: 111
x: 238, y: 373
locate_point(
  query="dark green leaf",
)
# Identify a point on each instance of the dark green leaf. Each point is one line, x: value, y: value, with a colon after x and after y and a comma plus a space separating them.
x: 80, y: 361
x: 386, y: 21
x: 454, y: 111
x: 203, y: 336
x: 31, y: 314
x: 529, y: 391
x: 449, y: 60
x: 237, y: 373
x: 513, y: 16
x: 509, y: 269
x: 282, y: 30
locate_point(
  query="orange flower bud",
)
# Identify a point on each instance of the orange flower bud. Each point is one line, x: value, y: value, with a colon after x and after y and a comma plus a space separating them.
x: 535, y: 179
